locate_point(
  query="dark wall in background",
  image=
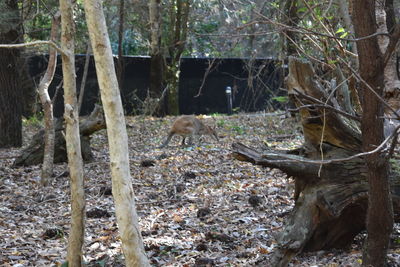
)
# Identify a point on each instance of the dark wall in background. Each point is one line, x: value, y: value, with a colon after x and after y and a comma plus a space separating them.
x: 252, y: 90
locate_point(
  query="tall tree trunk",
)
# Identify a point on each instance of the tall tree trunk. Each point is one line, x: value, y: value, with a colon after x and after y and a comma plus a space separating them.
x: 49, y: 136
x: 10, y: 93
x: 380, y: 210
x: 290, y: 18
x: 120, y: 66
x: 125, y: 209
x: 179, y: 15
x: 156, y: 56
x: 84, y: 77
x: 71, y: 116
x: 386, y: 23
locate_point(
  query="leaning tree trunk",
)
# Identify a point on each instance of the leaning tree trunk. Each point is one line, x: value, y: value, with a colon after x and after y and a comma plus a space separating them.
x: 71, y: 116
x: 10, y: 93
x: 125, y: 209
x: 48, y: 155
x: 33, y: 154
x: 331, y: 195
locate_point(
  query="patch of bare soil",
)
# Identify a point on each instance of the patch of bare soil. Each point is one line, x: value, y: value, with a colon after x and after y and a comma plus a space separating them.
x: 197, y: 205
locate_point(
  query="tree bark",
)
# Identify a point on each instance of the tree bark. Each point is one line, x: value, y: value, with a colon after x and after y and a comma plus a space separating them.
x: 157, y: 62
x: 179, y: 15
x: 10, y: 93
x: 33, y: 153
x: 290, y: 18
x: 84, y: 77
x: 380, y: 210
x: 121, y: 27
x: 49, y: 137
x: 331, y: 194
x: 391, y: 80
x: 125, y: 209
x: 71, y: 116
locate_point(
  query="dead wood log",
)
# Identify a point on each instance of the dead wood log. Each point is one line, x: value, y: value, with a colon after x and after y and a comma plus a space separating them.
x: 33, y: 153
x: 330, y: 198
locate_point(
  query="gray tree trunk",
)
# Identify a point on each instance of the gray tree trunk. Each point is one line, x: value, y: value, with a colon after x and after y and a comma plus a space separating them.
x: 71, y: 116
x: 125, y: 209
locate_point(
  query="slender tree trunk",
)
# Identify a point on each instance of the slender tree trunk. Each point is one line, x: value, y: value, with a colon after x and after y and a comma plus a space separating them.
x: 344, y: 10
x: 120, y: 66
x: 391, y: 80
x: 125, y: 209
x: 290, y: 19
x: 71, y: 116
x: 157, y: 58
x: 84, y: 77
x: 179, y: 15
x: 10, y: 93
x: 49, y: 136
x: 380, y: 210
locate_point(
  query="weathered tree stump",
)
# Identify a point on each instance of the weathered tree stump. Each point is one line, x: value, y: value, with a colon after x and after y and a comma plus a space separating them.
x: 330, y: 194
x: 33, y: 153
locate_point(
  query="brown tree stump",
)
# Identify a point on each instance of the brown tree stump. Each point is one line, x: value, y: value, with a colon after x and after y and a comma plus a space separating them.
x: 330, y: 193
x: 33, y: 153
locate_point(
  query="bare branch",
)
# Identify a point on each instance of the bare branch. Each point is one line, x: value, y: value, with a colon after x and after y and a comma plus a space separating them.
x: 35, y: 43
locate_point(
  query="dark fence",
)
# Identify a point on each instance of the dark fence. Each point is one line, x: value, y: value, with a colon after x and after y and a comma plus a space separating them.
x: 201, y: 88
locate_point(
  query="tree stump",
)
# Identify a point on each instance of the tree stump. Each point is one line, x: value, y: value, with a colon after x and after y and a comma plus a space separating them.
x: 331, y: 194
x: 33, y: 153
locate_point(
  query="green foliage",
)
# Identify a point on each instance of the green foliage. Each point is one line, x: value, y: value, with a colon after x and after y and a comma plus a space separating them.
x: 221, y: 123
x: 35, y: 120
x: 281, y: 99
x: 238, y: 129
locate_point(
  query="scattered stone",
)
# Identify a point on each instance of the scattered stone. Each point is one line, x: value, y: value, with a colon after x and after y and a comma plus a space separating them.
x: 147, y: 163
x: 97, y: 213
x: 202, y: 212
x: 188, y: 175
x: 255, y: 200
x: 18, y: 208
x: 53, y: 233
x: 180, y: 188
x: 204, y: 262
x: 219, y: 237
x: 202, y: 247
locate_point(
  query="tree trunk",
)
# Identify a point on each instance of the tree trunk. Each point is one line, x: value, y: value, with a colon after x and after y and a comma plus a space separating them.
x: 10, y: 91
x: 179, y: 15
x: 391, y: 80
x: 290, y: 18
x: 157, y: 62
x: 121, y: 27
x: 331, y: 194
x: 71, y: 116
x: 49, y: 137
x: 380, y: 211
x: 84, y: 77
x: 125, y: 209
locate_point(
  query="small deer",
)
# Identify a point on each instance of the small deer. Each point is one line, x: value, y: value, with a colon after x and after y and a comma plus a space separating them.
x: 189, y: 126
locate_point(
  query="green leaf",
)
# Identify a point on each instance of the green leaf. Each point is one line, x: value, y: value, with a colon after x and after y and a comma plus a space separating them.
x: 303, y: 9
x: 340, y: 30
x: 281, y: 99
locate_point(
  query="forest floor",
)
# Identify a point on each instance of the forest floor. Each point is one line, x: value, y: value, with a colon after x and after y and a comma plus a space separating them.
x: 197, y: 205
